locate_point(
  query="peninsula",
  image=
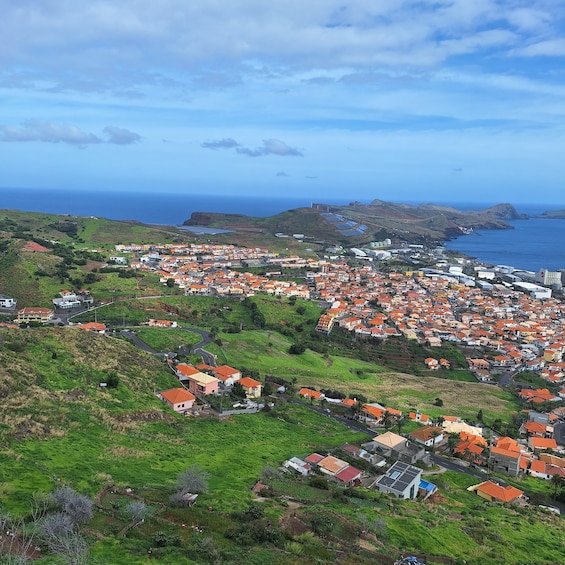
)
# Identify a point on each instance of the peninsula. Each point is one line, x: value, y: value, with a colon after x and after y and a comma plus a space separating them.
x: 356, y: 223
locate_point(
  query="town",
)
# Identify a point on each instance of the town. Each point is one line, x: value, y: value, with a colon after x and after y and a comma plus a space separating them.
x: 457, y: 301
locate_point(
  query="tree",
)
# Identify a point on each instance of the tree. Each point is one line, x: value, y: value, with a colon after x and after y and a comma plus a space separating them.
x: 399, y: 424
x: 170, y: 283
x: 58, y: 530
x: 480, y: 415
x: 193, y: 480
x: 438, y: 401
x: 557, y: 486
x: 77, y: 507
x: 238, y: 391
x: 112, y: 380
x: 15, y: 549
x: 297, y: 349
x: 452, y: 441
x: 136, y: 510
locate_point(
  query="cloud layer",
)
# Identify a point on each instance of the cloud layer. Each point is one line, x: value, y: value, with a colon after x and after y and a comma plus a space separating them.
x: 366, y: 93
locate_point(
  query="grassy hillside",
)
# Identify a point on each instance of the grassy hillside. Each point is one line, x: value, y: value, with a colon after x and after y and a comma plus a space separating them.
x: 59, y: 427
x: 394, y: 373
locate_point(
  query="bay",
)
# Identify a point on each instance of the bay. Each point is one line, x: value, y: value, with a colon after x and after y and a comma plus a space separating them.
x: 531, y: 245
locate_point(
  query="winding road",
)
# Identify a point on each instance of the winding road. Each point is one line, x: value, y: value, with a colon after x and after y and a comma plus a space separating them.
x: 207, y: 357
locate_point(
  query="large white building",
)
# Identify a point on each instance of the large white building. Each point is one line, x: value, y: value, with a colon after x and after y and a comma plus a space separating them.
x: 549, y: 278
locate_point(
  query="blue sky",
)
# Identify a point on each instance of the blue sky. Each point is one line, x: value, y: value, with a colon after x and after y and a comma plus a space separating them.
x: 446, y: 100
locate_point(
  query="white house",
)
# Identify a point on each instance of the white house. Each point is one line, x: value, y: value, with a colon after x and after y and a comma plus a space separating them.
x: 7, y: 302
x: 401, y: 479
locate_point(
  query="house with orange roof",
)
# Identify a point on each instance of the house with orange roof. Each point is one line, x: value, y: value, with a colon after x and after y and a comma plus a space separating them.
x: 538, y: 429
x: 538, y: 468
x: 427, y: 435
x: 431, y: 363
x: 470, y: 452
x: 348, y: 402
x: 251, y: 387
x: 495, y: 493
x: 179, y: 399
x: 309, y: 393
x: 372, y: 414
x: 393, y: 412
x: 331, y: 465
x: 226, y: 374
x: 508, y: 443
x: 96, y: 327
x: 538, y: 395
x: 184, y: 371
x: 554, y: 460
x: 325, y: 324
x: 473, y: 438
x: 505, y: 461
x: 538, y: 444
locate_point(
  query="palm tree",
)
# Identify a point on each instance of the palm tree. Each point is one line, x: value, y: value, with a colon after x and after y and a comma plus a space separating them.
x: 399, y: 424
x: 557, y: 486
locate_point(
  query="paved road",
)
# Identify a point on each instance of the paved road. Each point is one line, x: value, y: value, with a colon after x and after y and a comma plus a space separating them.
x: 559, y: 433
x: 207, y: 357
x: 136, y: 341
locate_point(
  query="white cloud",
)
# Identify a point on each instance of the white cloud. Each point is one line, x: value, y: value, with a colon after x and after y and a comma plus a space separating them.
x: 47, y: 132
x: 549, y: 48
x: 51, y: 132
x: 227, y: 143
x: 202, y: 38
x: 121, y: 136
x: 269, y: 147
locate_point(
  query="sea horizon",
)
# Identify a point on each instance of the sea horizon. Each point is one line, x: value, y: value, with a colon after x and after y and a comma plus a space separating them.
x: 531, y: 245
x: 174, y: 208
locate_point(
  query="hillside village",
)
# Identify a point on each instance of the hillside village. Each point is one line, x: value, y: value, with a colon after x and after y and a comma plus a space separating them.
x: 520, y: 326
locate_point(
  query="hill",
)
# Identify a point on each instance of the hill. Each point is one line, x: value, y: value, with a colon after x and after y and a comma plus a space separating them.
x: 122, y: 445
x: 356, y: 222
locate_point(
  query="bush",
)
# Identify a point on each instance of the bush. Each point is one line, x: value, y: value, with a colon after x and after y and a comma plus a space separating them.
x: 297, y: 349
x: 319, y: 482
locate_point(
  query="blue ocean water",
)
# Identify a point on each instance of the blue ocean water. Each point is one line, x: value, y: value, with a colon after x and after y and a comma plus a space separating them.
x: 152, y: 208
x: 532, y: 244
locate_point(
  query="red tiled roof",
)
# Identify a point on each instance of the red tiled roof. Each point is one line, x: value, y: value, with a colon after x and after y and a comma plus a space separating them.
x: 186, y: 370
x: 348, y: 474
x: 310, y: 393
x: 503, y: 494
x: 248, y: 382
x: 176, y: 395
x: 543, y: 443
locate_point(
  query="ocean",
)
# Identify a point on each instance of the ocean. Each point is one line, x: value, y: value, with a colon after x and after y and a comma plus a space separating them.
x: 532, y: 245
x: 171, y: 209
